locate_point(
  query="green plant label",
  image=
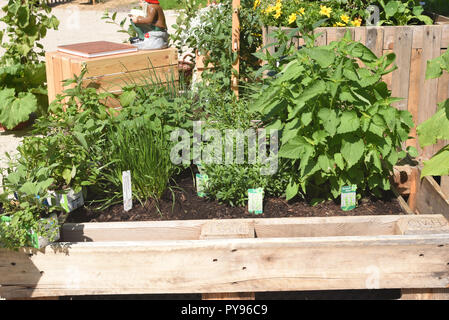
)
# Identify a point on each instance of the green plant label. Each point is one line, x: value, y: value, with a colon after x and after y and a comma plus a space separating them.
x: 255, y: 201
x: 201, y: 184
x: 127, y: 192
x: 348, y: 197
x: 48, y: 225
x: 201, y: 168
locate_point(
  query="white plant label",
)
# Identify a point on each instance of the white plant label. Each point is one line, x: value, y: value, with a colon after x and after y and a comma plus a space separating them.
x: 127, y: 193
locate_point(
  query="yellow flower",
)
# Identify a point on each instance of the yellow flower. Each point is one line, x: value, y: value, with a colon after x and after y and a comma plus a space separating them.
x: 256, y: 4
x: 278, y: 5
x: 292, y: 18
x: 325, y: 11
x: 339, y: 24
x: 301, y: 11
x: 269, y: 9
x: 357, y: 22
x: 277, y: 14
x: 344, y: 18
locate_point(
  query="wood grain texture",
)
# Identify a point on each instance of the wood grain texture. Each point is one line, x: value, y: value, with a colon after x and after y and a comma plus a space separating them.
x: 228, y: 265
x: 227, y: 229
x: 375, y: 40
x: 425, y: 294
x: 431, y: 198
x: 403, y: 37
x: 428, y: 100
x: 336, y: 226
x: 414, y: 93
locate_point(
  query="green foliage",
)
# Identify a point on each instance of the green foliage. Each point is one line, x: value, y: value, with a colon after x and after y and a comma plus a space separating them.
x: 401, y: 13
x: 138, y: 146
x: 199, y: 30
x: 437, y: 127
x: 112, y: 19
x: 338, y: 126
x: 22, y: 74
x: 23, y: 205
x: 229, y: 183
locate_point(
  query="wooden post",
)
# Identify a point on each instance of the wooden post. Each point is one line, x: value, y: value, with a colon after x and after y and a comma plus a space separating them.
x: 235, y: 46
x: 223, y: 229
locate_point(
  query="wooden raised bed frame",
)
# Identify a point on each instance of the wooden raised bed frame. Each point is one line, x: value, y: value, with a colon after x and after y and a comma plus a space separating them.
x: 243, y: 255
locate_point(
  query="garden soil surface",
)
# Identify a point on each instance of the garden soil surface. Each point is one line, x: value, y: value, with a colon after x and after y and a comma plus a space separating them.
x: 188, y: 206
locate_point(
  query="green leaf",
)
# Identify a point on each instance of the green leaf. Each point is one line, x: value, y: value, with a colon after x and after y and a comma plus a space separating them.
x: 29, y: 188
x: 363, y: 53
x: 292, y: 190
x: 438, y: 165
x: 127, y: 98
x: 339, y: 161
x: 325, y: 163
x: 349, y: 122
x: 329, y: 119
x: 306, y: 118
x: 435, y: 128
x: 67, y: 176
x: 392, y: 8
x: 352, y: 149
x: 323, y: 56
x: 14, y: 110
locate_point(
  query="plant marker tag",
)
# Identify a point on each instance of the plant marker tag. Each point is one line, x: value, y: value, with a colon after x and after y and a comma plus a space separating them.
x: 201, y: 168
x: 5, y: 219
x: 201, y: 184
x: 348, y: 197
x: 49, y: 224
x: 255, y: 201
x: 127, y: 192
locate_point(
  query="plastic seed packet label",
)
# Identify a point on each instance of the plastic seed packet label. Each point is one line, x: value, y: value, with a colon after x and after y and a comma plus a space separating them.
x: 49, y: 225
x: 69, y: 201
x: 255, y: 201
x: 201, y: 168
x: 5, y: 219
x: 348, y: 197
x: 127, y: 192
x: 201, y: 184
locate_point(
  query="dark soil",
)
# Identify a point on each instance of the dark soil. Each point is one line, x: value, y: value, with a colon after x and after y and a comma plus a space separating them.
x: 188, y: 206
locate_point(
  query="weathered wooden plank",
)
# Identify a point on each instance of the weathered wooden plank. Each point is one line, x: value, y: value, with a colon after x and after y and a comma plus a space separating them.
x: 401, y: 76
x: 264, y: 228
x: 131, y: 62
x: 414, y: 93
x: 428, y: 101
x: 425, y: 294
x: 431, y: 199
x: 423, y: 224
x: 237, y: 265
x: 322, y: 38
x: 375, y: 40
x: 132, y: 231
x: 445, y: 186
x: 227, y: 229
x: 115, y: 83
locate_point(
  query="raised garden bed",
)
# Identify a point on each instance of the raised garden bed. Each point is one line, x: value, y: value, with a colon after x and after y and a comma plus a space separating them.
x: 280, y: 254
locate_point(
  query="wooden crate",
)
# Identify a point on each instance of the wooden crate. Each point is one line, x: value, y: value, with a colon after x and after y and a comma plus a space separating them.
x: 413, y: 46
x: 242, y: 256
x: 111, y: 73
